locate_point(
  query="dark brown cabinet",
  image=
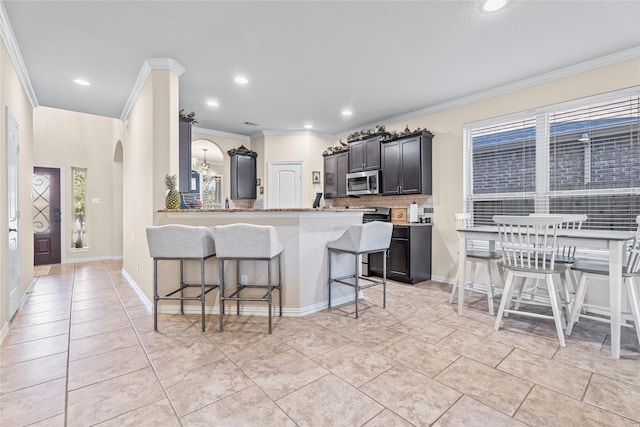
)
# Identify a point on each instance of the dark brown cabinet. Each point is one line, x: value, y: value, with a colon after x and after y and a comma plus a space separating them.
x: 243, y: 174
x: 409, y: 257
x: 406, y: 165
x: 336, y: 167
x: 364, y: 155
x: 184, y: 155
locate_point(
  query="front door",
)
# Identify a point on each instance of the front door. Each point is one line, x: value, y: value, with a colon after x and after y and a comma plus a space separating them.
x: 285, y: 185
x: 46, y: 216
x: 13, y: 248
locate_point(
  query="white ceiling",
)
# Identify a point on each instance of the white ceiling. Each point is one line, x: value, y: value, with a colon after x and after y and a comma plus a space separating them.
x: 308, y: 60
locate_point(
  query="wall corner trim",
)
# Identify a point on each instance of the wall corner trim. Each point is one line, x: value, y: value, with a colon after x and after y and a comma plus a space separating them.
x: 149, y: 65
x: 6, y: 32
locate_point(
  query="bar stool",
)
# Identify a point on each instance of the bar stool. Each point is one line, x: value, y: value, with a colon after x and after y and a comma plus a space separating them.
x: 372, y: 237
x: 248, y: 242
x: 476, y: 257
x: 180, y: 242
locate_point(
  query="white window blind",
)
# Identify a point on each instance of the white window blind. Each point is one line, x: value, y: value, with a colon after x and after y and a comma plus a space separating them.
x: 577, y: 158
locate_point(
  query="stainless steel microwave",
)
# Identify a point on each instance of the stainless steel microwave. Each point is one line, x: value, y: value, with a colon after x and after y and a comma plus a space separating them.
x: 359, y: 183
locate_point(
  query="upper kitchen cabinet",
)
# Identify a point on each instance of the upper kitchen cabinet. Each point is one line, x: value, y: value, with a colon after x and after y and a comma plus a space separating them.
x: 364, y: 155
x: 406, y: 165
x: 184, y: 155
x: 336, y: 167
x: 243, y: 173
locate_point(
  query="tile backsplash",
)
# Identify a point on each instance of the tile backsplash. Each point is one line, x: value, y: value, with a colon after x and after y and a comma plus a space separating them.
x: 378, y: 200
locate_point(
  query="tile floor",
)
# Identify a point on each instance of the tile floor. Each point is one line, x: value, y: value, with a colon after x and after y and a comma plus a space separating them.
x: 82, y: 352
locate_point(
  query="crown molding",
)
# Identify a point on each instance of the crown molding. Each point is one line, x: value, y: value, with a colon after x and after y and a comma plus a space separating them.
x: 571, y: 70
x: 265, y: 133
x: 219, y: 133
x: 6, y: 32
x: 149, y: 65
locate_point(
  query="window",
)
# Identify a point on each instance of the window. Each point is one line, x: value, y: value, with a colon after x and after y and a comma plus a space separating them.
x: 579, y: 157
x: 79, y: 238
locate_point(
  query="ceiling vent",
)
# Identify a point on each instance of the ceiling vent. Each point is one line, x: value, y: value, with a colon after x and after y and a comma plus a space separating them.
x: 250, y: 124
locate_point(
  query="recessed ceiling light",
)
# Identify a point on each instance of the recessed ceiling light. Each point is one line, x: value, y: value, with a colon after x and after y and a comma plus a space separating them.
x: 308, y: 126
x: 212, y: 103
x: 493, y: 5
x: 241, y: 80
x: 346, y: 112
x: 81, y: 82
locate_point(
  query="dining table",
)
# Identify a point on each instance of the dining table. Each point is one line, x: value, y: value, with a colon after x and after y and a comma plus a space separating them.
x: 613, y: 241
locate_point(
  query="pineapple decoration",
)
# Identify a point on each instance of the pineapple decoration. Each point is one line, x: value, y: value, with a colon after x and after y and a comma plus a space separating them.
x: 172, y: 201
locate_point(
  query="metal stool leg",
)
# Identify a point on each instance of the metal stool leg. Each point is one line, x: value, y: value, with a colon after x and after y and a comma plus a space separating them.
x: 384, y: 279
x: 181, y: 286
x: 155, y: 294
x: 280, y: 282
x: 202, y: 295
x: 330, y: 281
x: 269, y: 284
x: 221, y: 291
x: 356, y: 275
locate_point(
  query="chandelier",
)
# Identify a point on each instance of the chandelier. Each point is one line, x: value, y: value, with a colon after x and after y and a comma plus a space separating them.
x: 204, y: 166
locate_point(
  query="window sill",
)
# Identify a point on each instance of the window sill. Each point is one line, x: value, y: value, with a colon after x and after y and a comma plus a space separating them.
x: 85, y: 249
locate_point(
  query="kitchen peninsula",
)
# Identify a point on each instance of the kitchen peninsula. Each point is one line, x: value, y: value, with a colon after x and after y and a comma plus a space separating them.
x: 304, y: 234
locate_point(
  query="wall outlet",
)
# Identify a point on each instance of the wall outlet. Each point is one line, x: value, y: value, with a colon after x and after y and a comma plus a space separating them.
x: 244, y: 279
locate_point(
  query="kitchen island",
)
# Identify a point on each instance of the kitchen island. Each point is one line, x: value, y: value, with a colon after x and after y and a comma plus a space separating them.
x: 304, y: 234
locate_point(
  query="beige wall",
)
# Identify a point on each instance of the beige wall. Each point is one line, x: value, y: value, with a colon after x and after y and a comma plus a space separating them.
x: 305, y: 147
x: 150, y: 150
x: 67, y: 139
x: 14, y: 98
x: 447, y: 127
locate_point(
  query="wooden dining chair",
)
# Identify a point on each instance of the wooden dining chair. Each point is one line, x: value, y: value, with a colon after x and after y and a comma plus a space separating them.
x: 599, y: 272
x: 529, y: 247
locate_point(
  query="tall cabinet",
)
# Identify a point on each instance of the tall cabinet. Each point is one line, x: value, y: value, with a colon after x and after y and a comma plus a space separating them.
x: 336, y: 167
x: 406, y: 165
x: 243, y: 173
x: 184, y: 155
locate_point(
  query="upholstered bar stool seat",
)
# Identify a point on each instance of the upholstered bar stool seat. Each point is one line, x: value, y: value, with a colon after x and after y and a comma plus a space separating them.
x: 372, y: 237
x: 248, y: 242
x: 180, y: 242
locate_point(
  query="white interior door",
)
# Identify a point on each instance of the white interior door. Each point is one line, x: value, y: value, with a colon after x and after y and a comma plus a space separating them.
x: 13, y: 249
x: 285, y: 185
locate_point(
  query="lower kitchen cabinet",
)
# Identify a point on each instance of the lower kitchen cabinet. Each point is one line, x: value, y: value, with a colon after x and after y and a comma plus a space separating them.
x: 409, y: 258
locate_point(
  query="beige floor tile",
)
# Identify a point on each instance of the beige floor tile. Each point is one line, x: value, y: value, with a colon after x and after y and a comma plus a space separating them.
x: 108, y: 399
x: 371, y: 336
x: 44, y: 298
x: 413, y: 396
x: 139, y: 310
x: 250, y: 407
x: 466, y: 324
x: 29, y: 319
x: 175, y: 360
x: 424, y: 329
x: 105, y: 366
x: 33, y: 372
x: 387, y: 418
x: 614, y: 396
x: 547, y: 373
x: 32, y: 404
x: 314, y: 342
x: 494, y: 388
x: 332, y: 320
x: 204, y: 385
x: 55, y: 421
x: 31, y: 350
x: 102, y: 343
x: 355, y: 363
x: 169, y: 336
x: 98, y: 313
x: 417, y: 354
x: 30, y: 333
x: 471, y: 413
x: 477, y: 348
x: 544, y: 407
x: 528, y: 342
x: 600, y: 362
x: 94, y: 327
x: 248, y: 348
x: 158, y: 413
x: 96, y: 303
x: 29, y: 308
x: 316, y: 404
x: 284, y: 372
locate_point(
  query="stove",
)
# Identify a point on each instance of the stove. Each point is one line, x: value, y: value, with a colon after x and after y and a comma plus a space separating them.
x: 380, y: 214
